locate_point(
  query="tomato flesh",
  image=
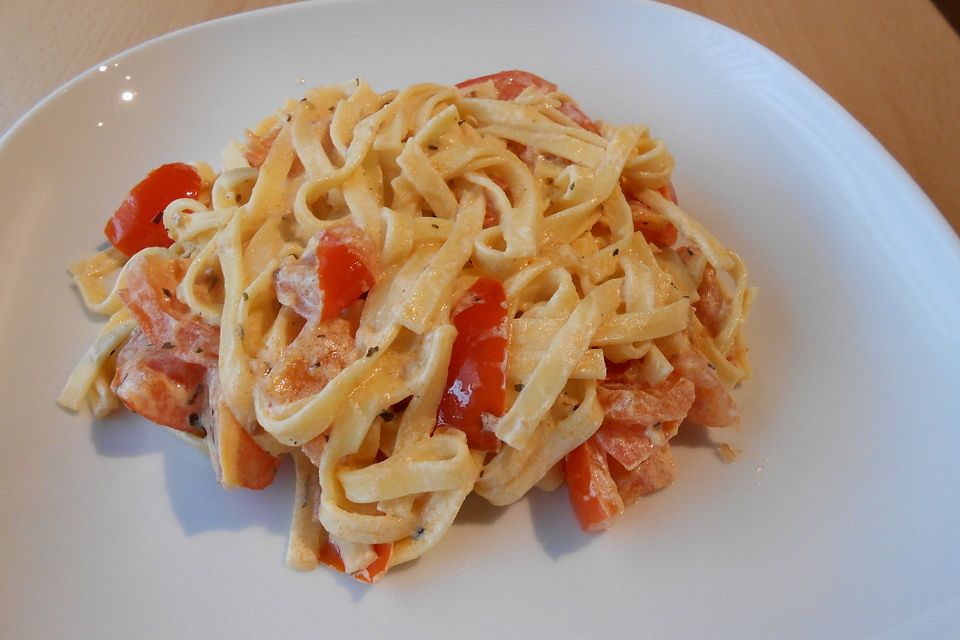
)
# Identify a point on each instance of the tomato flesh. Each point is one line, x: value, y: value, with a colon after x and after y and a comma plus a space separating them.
x: 154, y: 383
x: 669, y: 192
x: 593, y: 493
x: 342, y: 271
x: 630, y: 409
x: 138, y: 222
x: 243, y: 463
x: 330, y: 556
x: 510, y: 84
x: 655, y: 228
x: 476, y: 377
x: 150, y: 296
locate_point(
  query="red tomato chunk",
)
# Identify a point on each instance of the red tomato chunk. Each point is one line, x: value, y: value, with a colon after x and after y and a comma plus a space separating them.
x: 138, y: 222
x: 476, y: 378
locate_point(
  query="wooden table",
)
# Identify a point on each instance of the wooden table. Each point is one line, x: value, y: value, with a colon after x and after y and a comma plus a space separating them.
x: 894, y: 64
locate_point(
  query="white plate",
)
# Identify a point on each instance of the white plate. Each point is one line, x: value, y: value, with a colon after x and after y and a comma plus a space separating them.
x: 841, y: 518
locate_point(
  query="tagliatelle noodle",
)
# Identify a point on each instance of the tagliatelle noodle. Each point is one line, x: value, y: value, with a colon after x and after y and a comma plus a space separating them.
x: 444, y: 185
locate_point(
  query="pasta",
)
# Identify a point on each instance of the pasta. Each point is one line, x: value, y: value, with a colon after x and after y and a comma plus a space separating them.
x: 417, y: 295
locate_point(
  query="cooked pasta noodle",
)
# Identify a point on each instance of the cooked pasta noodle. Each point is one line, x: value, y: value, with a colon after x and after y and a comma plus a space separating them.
x: 612, y: 313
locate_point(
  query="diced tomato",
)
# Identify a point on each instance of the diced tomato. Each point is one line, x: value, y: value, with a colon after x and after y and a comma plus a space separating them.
x: 593, y: 493
x: 616, y: 369
x: 492, y: 215
x: 150, y: 295
x: 633, y: 412
x: 138, y: 222
x: 342, y: 269
x: 631, y: 444
x: 319, y: 352
x: 653, y: 474
x: 654, y: 227
x: 259, y: 146
x: 713, y: 405
x: 476, y: 378
x: 156, y: 384
x: 573, y: 112
x: 376, y: 569
x: 314, y: 449
x: 330, y: 556
x: 297, y: 285
x: 238, y: 459
x: 510, y: 84
x: 668, y: 192
x: 709, y: 306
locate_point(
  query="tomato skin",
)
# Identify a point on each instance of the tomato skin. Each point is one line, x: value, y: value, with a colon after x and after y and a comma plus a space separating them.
x: 476, y: 377
x: 137, y: 223
x: 342, y: 271
x: 593, y: 493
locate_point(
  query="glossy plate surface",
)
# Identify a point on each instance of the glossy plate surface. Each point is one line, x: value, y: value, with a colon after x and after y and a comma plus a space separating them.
x: 840, y: 519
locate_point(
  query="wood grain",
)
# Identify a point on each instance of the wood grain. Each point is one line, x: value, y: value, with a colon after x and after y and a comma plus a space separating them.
x: 895, y: 65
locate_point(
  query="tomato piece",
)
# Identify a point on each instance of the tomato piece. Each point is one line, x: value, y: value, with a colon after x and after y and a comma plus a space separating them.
x: 343, y: 273
x: 330, y: 556
x: 237, y: 458
x: 616, y: 370
x: 376, y: 569
x: 593, y: 493
x: 654, y: 473
x: 654, y: 227
x: 510, y: 84
x: 639, y: 418
x: 151, y: 297
x: 319, y: 352
x: 259, y: 146
x: 709, y: 307
x: 573, y: 112
x: 138, y: 222
x: 668, y: 192
x: 713, y: 405
x: 476, y: 377
x: 154, y: 383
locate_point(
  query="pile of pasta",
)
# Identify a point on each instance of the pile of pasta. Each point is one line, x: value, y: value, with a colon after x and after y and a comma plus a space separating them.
x: 417, y: 295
